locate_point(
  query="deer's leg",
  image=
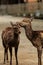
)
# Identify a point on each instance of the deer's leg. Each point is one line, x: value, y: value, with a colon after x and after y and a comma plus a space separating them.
x: 39, y: 49
x: 16, y: 49
x: 5, y: 51
x: 10, y: 50
x: 4, y: 56
x: 7, y: 55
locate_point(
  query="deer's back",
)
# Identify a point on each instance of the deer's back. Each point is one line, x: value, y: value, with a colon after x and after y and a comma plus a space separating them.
x: 8, y: 37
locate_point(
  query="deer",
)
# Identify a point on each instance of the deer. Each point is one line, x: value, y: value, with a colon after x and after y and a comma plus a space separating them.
x: 35, y: 37
x: 11, y: 38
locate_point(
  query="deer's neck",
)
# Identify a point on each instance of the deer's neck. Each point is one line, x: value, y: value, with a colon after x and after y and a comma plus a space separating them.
x: 28, y: 33
x: 32, y: 35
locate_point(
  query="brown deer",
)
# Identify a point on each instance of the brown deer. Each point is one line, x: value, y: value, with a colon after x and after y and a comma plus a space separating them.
x: 35, y: 37
x: 11, y: 38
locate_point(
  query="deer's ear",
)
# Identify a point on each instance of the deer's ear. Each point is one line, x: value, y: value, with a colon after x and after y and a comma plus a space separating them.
x: 11, y: 23
x: 31, y: 19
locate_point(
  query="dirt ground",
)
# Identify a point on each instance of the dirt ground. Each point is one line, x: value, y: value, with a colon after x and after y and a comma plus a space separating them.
x: 27, y: 53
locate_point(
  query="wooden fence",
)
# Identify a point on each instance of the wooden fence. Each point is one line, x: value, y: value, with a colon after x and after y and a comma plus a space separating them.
x: 21, y: 8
